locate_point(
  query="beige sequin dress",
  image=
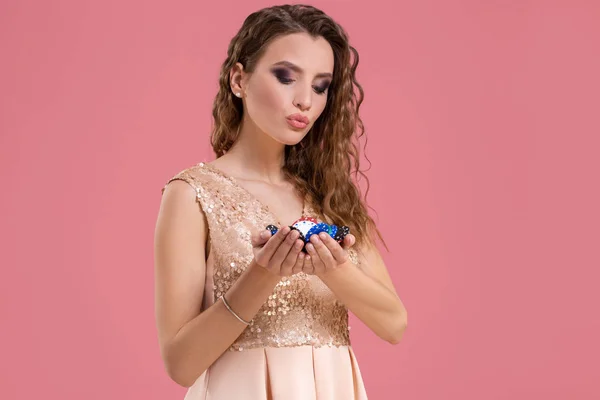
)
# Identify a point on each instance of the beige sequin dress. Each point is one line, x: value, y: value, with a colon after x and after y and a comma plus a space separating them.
x: 297, y: 346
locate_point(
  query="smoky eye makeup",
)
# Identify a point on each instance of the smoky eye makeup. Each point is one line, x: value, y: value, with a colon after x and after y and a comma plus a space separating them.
x: 284, y: 76
x: 322, y: 88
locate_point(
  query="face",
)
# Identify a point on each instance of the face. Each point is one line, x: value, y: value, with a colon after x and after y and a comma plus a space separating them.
x: 289, y: 84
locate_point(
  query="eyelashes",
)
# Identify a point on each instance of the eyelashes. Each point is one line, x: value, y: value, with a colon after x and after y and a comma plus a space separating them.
x: 284, y: 78
x: 321, y: 89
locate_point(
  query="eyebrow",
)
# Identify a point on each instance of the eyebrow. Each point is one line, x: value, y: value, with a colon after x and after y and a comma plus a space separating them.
x: 297, y: 69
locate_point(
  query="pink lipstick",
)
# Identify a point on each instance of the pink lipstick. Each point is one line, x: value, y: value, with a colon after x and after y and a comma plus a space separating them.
x: 297, y: 121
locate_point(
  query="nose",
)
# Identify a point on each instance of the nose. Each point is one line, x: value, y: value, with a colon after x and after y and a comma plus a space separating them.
x: 303, y: 98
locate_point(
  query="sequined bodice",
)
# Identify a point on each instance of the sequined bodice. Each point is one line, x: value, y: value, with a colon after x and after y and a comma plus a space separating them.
x: 301, y: 310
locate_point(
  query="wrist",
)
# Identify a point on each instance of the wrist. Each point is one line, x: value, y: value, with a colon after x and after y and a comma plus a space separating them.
x: 261, y: 274
x: 329, y: 273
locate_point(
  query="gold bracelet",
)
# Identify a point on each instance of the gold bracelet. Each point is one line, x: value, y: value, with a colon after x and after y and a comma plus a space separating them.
x: 222, y: 297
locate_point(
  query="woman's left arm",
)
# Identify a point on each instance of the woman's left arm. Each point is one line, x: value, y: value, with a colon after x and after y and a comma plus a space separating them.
x: 367, y: 289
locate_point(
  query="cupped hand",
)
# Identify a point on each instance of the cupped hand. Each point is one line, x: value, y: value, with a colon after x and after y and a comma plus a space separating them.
x: 280, y: 254
x: 327, y: 254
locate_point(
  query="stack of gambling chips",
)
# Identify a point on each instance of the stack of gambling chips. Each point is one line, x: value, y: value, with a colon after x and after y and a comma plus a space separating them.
x: 308, y: 226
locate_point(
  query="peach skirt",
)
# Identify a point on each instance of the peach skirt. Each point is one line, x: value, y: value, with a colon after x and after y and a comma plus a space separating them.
x: 282, y: 373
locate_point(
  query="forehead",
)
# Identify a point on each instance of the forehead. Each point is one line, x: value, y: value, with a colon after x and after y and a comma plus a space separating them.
x: 313, y: 55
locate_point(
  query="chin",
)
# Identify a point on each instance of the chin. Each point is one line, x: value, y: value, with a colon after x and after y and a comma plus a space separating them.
x: 290, y: 139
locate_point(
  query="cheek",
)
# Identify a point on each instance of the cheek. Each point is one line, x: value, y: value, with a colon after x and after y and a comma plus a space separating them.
x: 266, y: 100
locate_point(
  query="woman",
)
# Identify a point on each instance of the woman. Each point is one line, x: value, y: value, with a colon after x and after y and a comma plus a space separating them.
x: 242, y: 313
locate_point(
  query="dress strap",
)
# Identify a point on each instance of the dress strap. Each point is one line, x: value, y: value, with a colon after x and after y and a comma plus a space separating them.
x: 212, y: 195
x: 188, y: 177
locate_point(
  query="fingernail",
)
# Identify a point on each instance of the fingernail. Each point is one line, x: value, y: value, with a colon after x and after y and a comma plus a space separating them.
x: 285, y: 230
x: 264, y: 234
x: 323, y: 235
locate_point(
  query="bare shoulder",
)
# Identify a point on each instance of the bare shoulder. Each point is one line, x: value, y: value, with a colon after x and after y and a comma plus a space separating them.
x: 179, y: 256
x: 181, y: 223
x: 190, y: 175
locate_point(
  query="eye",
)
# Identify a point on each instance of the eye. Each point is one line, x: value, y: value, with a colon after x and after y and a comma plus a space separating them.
x: 283, y: 76
x: 321, y: 89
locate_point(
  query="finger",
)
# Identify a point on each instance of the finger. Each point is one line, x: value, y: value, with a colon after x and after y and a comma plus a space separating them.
x: 308, y: 267
x: 299, y: 266
x: 324, y: 253
x: 339, y: 254
x: 292, y: 257
x: 272, y: 245
x: 348, y: 241
x: 260, y: 238
x: 283, y: 249
x: 316, y: 263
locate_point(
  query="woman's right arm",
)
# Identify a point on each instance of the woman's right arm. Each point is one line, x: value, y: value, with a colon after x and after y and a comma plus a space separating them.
x: 190, y: 340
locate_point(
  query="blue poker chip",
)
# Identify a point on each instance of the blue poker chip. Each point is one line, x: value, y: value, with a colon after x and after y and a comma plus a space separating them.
x: 333, y: 230
x: 312, y: 231
x: 272, y: 228
x: 323, y: 227
x: 318, y: 228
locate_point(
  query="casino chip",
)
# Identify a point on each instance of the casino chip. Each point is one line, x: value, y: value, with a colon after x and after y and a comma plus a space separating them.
x: 308, y: 226
x: 272, y: 228
x: 304, y: 226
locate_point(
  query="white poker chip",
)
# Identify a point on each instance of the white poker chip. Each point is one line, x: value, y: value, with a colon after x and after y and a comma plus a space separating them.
x: 304, y: 226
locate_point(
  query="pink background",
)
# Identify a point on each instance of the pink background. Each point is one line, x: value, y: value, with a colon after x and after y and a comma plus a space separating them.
x: 483, y: 129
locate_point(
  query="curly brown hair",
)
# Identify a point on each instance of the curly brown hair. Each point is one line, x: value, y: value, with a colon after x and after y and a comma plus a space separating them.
x: 322, y: 164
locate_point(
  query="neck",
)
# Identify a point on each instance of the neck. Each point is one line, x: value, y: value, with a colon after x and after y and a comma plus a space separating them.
x: 257, y: 155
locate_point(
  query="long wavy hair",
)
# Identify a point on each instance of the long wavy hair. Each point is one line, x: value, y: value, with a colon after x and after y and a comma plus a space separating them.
x: 323, y: 163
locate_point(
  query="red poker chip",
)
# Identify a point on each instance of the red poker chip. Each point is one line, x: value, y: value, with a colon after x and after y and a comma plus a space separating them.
x: 311, y: 219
